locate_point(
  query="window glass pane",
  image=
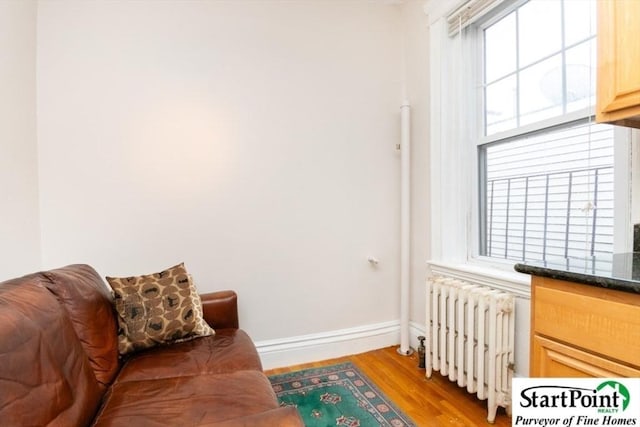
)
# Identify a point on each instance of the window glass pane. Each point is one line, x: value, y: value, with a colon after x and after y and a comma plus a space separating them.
x: 500, y: 48
x: 539, y: 30
x: 581, y: 75
x: 539, y: 189
x: 541, y: 91
x: 500, y: 110
x: 547, y: 194
x: 579, y: 20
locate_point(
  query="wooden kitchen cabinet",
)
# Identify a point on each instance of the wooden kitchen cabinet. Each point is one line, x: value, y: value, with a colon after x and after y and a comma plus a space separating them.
x: 580, y: 330
x: 618, y: 75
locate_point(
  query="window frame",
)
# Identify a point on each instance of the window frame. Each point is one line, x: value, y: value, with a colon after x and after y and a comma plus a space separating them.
x: 625, y: 158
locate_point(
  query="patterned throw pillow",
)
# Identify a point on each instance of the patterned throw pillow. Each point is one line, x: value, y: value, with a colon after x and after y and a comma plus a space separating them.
x: 156, y: 309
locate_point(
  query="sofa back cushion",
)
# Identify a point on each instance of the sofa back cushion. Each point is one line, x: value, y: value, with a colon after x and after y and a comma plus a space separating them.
x: 157, y: 308
x: 45, y: 376
x: 87, y: 300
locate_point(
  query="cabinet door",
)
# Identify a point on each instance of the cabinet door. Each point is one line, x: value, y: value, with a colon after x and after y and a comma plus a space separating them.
x: 618, y: 94
x: 553, y: 359
x: 598, y: 320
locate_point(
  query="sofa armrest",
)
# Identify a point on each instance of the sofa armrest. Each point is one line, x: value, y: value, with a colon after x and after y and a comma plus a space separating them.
x: 220, y: 309
x: 285, y: 416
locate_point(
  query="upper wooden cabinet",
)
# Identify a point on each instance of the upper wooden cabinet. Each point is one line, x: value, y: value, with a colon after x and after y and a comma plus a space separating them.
x: 618, y: 82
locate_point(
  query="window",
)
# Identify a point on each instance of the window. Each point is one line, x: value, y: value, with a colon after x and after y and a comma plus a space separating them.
x: 546, y: 169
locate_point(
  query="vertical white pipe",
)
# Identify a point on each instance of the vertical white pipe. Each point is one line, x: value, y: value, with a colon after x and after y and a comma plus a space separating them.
x: 405, y: 222
x: 429, y: 326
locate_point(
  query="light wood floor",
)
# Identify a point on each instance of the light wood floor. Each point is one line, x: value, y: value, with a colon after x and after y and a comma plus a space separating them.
x: 429, y: 402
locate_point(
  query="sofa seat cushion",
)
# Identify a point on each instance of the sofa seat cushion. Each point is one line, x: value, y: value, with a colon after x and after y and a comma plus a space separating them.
x: 227, y: 351
x: 186, y: 401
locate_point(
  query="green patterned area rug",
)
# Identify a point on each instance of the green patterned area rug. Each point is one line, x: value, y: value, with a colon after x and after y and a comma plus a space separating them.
x: 338, y: 395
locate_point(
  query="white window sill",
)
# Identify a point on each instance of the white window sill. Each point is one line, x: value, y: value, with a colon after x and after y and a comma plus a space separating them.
x: 516, y: 283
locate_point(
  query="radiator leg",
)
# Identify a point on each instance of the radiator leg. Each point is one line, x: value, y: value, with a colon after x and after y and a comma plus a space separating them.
x: 491, y: 416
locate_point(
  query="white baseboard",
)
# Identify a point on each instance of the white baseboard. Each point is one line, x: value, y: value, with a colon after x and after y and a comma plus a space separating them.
x: 328, y: 345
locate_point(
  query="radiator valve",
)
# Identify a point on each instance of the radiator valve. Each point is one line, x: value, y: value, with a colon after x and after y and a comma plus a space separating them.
x: 421, y: 350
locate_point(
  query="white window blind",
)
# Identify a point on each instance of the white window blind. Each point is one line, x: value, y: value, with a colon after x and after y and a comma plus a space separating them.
x: 468, y: 13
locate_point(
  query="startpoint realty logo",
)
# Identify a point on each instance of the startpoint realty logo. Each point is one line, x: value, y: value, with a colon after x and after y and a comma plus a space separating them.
x: 576, y: 402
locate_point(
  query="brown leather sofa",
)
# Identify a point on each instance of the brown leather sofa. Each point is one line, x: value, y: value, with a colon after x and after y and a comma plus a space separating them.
x: 59, y: 363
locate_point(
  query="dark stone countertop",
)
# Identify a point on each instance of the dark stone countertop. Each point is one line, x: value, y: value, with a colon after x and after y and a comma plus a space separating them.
x: 620, y: 271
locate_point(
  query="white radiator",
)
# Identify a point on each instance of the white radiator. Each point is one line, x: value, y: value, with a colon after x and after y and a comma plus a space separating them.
x: 470, y: 338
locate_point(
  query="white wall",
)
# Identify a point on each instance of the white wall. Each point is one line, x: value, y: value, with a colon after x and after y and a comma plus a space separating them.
x: 254, y: 140
x: 19, y: 221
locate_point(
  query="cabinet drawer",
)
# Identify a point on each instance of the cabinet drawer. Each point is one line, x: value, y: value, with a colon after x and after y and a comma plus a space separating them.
x: 553, y: 359
x: 598, y: 320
